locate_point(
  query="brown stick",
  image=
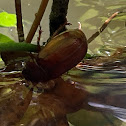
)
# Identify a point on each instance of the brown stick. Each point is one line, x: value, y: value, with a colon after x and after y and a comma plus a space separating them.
x: 58, y: 15
x: 19, y: 20
x: 37, y: 20
x: 103, y: 27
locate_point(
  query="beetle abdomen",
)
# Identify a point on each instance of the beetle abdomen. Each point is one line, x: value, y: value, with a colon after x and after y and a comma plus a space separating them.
x: 63, y: 52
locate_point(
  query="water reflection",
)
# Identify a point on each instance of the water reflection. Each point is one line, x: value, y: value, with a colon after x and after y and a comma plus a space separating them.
x: 105, y: 86
x: 107, y: 95
x: 96, y: 92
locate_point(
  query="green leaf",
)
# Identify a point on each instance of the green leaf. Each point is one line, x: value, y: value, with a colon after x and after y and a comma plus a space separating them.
x: 90, y: 56
x: 7, y: 20
x: 4, y: 38
x: 7, y: 44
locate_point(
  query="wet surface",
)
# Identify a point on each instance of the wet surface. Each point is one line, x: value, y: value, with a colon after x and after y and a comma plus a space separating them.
x: 84, y: 92
x: 91, y: 94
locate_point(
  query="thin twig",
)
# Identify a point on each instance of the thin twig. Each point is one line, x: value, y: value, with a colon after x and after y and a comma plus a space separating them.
x: 103, y: 27
x: 19, y: 20
x: 37, y: 20
x: 39, y: 37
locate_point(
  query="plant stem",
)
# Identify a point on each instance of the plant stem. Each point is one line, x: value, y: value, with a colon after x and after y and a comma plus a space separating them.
x: 102, y: 28
x: 58, y: 15
x: 37, y: 20
x: 19, y: 20
x: 14, y: 46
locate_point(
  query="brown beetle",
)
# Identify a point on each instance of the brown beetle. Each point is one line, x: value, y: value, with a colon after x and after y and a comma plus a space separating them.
x: 61, y: 54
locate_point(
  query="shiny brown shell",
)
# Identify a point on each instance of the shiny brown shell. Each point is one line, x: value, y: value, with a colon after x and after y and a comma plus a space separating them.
x: 61, y: 54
